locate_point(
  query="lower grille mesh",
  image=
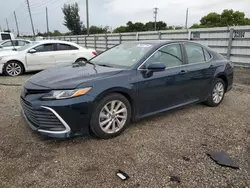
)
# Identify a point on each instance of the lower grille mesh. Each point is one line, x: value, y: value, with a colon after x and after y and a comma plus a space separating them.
x: 42, y: 119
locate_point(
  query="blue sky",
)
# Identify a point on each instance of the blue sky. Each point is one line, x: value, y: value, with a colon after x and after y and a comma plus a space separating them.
x: 114, y: 12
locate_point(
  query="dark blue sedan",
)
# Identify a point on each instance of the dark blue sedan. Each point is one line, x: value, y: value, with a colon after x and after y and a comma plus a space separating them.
x: 128, y: 82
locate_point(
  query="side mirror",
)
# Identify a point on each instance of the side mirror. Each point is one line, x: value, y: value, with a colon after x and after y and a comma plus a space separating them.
x: 1, y: 46
x: 32, y: 51
x: 156, y: 66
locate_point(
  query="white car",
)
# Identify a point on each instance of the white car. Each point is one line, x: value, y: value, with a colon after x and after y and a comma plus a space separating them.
x: 13, y: 44
x: 41, y: 55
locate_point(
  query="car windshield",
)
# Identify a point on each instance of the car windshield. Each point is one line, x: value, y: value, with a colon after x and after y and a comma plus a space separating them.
x: 124, y: 55
x: 25, y: 47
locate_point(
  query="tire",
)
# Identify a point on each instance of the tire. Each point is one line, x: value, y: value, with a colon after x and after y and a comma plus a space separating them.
x: 219, y: 92
x: 105, y: 125
x: 13, y: 68
x: 80, y: 60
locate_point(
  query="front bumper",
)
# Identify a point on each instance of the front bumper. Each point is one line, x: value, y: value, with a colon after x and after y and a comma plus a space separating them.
x: 57, y: 118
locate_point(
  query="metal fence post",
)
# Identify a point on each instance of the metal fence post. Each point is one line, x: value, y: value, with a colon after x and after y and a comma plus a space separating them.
x: 95, y: 42
x: 85, y: 40
x: 64, y: 38
x: 106, y: 41
x: 137, y: 36
x: 70, y: 39
x: 120, y: 38
x: 159, y: 35
x: 230, y: 41
x: 77, y: 40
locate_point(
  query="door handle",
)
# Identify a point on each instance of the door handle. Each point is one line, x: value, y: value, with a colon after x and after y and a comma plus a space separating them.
x: 183, y: 72
x: 211, y: 66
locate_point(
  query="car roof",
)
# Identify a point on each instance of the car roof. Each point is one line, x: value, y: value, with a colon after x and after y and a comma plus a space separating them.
x: 55, y: 41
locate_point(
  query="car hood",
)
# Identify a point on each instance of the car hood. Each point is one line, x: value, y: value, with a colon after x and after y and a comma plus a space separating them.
x: 7, y: 53
x: 69, y: 77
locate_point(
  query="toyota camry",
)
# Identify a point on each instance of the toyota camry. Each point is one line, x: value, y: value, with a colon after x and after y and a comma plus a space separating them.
x: 128, y: 82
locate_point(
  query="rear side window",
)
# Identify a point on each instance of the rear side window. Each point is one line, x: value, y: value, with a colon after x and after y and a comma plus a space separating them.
x: 207, y: 55
x: 62, y: 47
x: 194, y: 53
x: 21, y: 43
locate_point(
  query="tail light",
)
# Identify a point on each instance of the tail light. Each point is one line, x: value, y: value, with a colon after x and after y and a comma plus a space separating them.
x: 94, y: 53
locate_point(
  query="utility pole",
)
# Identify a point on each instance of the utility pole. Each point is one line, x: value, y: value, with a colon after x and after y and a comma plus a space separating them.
x: 186, y: 18
x: 47, y: 20
x: 155, y: 16
x: 33, y: 30
x: 87, y: 15
x: 7, y: 23
x: 16, y: 24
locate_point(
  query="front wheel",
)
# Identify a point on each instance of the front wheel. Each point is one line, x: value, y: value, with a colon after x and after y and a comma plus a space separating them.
x: 13, y: 68
x: 111, y: 116
x: 217, y: 93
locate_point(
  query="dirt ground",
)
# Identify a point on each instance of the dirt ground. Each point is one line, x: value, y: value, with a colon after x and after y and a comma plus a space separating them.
x: 150, y: 151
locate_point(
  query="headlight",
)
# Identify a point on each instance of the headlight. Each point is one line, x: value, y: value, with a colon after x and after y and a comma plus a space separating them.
x: 65, y: 94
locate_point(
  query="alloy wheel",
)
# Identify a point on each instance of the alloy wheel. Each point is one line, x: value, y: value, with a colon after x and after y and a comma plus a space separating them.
x: 113, y: 116
x: 218, y: 92
x: 13, y: 69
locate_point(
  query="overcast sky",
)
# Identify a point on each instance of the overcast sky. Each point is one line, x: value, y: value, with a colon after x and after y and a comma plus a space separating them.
x: 113, y: 12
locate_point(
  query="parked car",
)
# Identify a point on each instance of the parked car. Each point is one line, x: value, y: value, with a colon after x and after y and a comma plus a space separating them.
x: 40, y: 55
x: 128, y: 82
x: 6, y: 36
x: 13, y: 44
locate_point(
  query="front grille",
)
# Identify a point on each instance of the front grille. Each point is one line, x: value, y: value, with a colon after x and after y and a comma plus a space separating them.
x: 42, y: 119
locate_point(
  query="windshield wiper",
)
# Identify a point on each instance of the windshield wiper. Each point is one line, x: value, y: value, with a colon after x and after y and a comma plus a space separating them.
x: 104, y: 65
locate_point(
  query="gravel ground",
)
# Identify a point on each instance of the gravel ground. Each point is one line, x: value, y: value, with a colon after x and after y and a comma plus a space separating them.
x: 150, y: 151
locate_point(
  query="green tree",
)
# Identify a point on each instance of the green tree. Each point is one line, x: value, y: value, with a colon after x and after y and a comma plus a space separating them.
x: 121, y: 29
x: 211, y: 20
x: 95, y: 29
x: 226, y: 18
x: 72, y: 19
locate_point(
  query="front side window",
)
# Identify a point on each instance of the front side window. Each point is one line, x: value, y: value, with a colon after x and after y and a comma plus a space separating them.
x: 194, y: 53
x: 44, y: 48
x: 170, y: 56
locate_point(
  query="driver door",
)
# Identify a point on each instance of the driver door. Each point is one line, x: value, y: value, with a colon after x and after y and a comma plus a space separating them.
x: 163, y: 90
x: 42, y: 58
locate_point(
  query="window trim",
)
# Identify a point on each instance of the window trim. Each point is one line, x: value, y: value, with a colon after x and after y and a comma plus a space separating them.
x: 203, y: 50
x: 43, y: 45
x: 182, y: 57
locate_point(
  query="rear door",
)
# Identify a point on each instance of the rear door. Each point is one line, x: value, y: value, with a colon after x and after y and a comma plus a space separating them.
x: 65, y: 54
x: 200, y: 70
x: 43, y: 58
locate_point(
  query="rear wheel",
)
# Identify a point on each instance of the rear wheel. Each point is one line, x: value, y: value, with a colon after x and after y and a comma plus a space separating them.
x: 217, y: 93
x: 111, y: 116
x: 13, y: 68
x: 81, y: 60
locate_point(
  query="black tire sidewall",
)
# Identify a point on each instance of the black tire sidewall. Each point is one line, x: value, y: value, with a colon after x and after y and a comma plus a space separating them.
x: 210, y: 100
x: 6, y: 64
x: 94, y: 123
x: 80, y: 59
